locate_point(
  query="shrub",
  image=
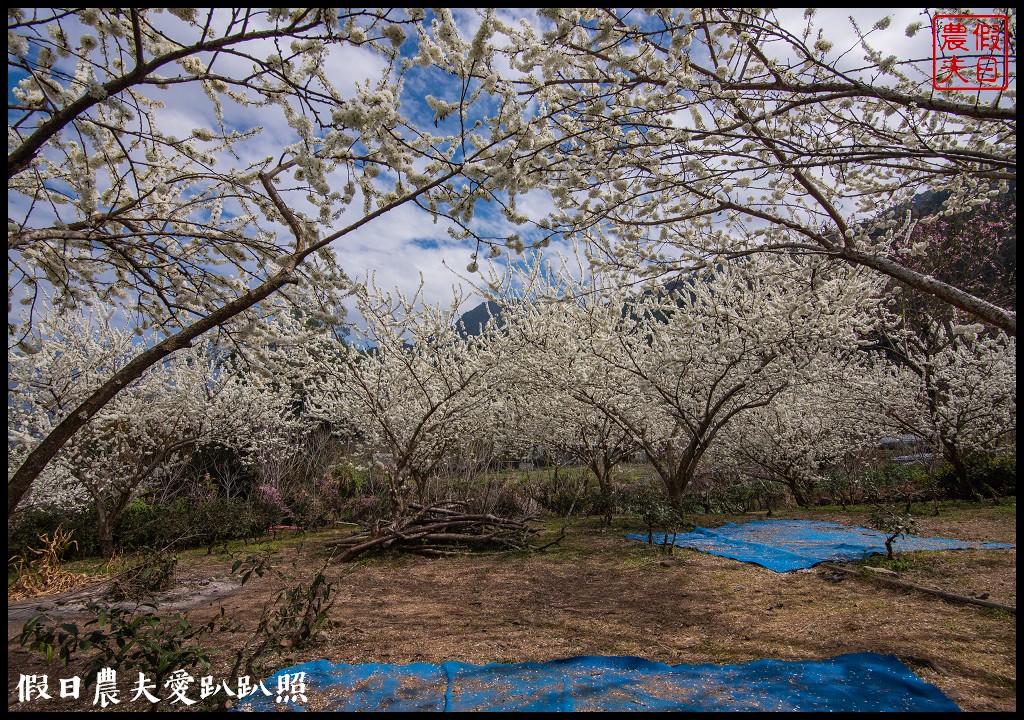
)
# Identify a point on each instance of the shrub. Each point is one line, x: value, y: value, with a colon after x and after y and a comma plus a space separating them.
x: 272, y: 502
x: 183, y: 523
x: 562, y: 493
x: 990, y: 476
x: 745, y: 497
x: 893, y: 524
x: 124, y: 639
x: 145, y: 527
x: 293, y: 620
x: 318, y: 505
x: 193, y: 523
x: 887, y: 483
x: 892, y: 482
x: 651, y: 504
x: 363, y: 509
x: 605, y: 501
x: 139, y: 526
x: 152, y: 575
x: 352, y: 479
x: 27, y: 525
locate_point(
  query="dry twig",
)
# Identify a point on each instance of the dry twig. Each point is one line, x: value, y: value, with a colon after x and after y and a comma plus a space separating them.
x: 442, y: 529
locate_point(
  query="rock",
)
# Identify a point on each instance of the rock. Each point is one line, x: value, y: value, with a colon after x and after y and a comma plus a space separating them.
x: 982, y: 596
x: 669, y: 563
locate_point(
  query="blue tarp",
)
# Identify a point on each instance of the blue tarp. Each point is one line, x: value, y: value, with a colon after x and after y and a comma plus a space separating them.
x: 783, y: 545
x: 857, y: 682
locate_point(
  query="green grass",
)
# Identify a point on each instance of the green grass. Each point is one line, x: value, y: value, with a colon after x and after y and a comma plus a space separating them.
x: 1007, y: 505
x: 101, y: 566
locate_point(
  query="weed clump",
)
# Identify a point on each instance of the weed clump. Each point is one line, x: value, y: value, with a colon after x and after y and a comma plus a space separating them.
x: 43, y: 574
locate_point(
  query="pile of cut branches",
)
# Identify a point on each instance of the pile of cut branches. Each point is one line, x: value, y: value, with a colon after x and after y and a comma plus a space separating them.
x: 442, y: 529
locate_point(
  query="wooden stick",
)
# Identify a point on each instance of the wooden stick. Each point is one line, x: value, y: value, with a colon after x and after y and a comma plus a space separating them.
x: 921, y: 588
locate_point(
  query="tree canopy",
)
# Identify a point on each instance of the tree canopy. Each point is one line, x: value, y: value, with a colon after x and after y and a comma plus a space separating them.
x: 666, y: 140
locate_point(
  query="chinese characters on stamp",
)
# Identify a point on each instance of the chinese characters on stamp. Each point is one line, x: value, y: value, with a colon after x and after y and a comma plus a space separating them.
x: 970, y: 52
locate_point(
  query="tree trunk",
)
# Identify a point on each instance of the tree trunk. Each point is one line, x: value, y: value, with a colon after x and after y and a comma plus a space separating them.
x: 677, y: 484
x: 799, y: 496
x: 1005, y: 320
x: 39, y: 458
x: 964, y: 487
x: 105, y: 531
x: 602, y: 469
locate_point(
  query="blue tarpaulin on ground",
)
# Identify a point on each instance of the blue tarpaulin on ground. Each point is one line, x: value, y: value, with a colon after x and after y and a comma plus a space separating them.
x: 783, y: 545
x: 857, y: 682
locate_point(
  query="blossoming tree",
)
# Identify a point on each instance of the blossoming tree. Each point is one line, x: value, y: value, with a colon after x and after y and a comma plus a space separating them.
x: 412, y: 388
x: 809, y: 430
x: 669, y: 139
x: 688, y: 136
x: 187, y: 402
x: 673, y: 366
x: 555, y: 375
x: 189, y: 228
x: 955, y: 387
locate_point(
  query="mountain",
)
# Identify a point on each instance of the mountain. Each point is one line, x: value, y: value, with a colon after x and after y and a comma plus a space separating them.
x: 472, y: 322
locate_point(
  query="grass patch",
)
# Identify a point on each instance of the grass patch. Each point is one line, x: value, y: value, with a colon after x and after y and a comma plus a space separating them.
x: 104, y: 567
x: 1007, y: 506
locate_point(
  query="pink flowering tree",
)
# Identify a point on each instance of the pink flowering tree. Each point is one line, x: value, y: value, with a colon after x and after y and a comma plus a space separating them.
x: 952, y: 380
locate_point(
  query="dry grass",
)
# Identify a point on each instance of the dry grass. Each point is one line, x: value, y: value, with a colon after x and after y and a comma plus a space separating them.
x: 43, y: 574
x: 600, y: 594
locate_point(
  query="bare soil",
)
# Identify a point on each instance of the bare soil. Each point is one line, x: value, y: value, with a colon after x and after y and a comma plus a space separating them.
x: 597, y: 593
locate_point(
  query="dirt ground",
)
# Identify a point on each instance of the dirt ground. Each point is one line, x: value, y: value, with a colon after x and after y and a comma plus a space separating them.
x: 597, y: 593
